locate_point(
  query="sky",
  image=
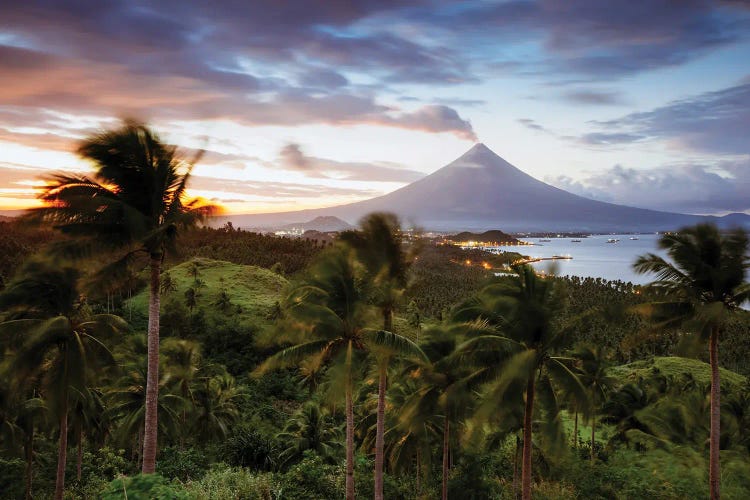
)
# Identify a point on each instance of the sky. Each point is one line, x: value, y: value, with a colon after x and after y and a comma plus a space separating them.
x: 302, y: 104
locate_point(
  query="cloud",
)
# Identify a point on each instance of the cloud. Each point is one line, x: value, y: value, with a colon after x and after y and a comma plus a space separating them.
x: 291, y: 157
x: 593, y: 97
x: 233, y: 188
x: 607, y: 139
x: 532, y: 124
x: 46, y: 82
x: 691, y: 188
x: 600, y: 40
x: 713, y: 122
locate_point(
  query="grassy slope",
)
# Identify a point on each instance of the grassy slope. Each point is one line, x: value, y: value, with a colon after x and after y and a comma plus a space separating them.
x: 674, y: 367
x: 254, y: 289
x: 667, y: 366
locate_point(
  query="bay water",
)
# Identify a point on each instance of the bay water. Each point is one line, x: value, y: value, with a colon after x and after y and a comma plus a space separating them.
x: 593, y: 256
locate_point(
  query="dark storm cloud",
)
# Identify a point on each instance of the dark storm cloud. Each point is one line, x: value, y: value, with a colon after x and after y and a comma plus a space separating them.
x: 713, y: 122
x: 693, y: 188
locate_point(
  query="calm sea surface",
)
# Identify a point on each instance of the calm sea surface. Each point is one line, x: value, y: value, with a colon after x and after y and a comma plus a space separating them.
x: 593, y: 256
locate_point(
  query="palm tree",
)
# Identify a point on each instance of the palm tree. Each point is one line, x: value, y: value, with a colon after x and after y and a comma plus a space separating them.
x: 310, y: 428
x: 217, y: 403
x: 127, y: 395
x: 135, y: 202
x: 59, y: 341
x: 442, y: 390
x: 380, y: 247
x: 703, y: 283
x: 592, y: 372
x: 87, y: 414
x: 19, y: 415
x: 326, y: 317
x: 524, y: 309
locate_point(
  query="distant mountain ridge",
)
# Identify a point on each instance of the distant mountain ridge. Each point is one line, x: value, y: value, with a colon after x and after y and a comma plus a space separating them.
x: 481, y: 191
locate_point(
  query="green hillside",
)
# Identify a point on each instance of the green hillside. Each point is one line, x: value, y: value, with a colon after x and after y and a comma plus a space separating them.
x: 674, y: 367
x: 254, y: 289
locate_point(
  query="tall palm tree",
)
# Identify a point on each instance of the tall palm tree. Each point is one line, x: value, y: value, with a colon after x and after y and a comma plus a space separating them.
x: 592, y: 364
x: 135, y: 203
x: 126, y: 398
x: 59, y: 342
x: 701, y: 284
x: 327, y: 318
x: 442, y: 391
x: 524, y: 309
x: 379, y: 246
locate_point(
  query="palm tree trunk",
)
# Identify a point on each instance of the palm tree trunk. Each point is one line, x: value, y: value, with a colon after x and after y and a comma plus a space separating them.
x: 152, y: 377
x: 419, y: 472
x: 29, y: 462
x: 593, y: 438
x: 62, y: 451
x: 527, y: 422
x: 388, y: 319
x: 380, y: 432
x: 349, y: 442
x: 79, y: 451
x: 515, y: 467
x: 446, y: 438
x: 714, y: 464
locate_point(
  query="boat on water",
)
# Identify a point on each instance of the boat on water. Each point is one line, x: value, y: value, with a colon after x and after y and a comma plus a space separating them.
x: 544, y: 241
x: 612, y: 240
x: 575, y: 241
x: 634, y: 238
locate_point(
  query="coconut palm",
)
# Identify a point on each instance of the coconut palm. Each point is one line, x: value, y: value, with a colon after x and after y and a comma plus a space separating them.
x: 134, y: 203
x: 442, y: 391
x: 703, y: 281
x: 326, y: 318
x: 380, y: 247
x: 524, y: 309
x: 87, y: 415
x: 310, y: 428
x: 127, y: 395
x: 409, y: 440
x: 216, y: 406
x: 59, y: 342
x: 20, y: 414
x: 592, y: 364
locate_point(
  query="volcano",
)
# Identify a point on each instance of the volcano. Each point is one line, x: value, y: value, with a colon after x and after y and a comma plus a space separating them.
x: 481, y: 191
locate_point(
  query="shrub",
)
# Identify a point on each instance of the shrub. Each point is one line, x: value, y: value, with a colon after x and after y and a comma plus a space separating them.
x: 312, y: 478
x: 11, y: 478
x: 175, y: 463
x: 229, y: 483
x: 144, y: 487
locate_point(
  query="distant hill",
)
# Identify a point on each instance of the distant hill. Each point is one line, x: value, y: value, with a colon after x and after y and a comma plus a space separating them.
x: 481, y: 191
x: 323, y: 224
x: 494, y: 235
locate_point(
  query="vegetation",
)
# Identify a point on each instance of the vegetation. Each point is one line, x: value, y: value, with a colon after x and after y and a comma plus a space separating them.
x: 381, y: 361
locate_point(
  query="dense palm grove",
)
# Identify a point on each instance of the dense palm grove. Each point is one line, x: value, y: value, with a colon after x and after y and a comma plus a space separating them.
x: 146, y: 357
